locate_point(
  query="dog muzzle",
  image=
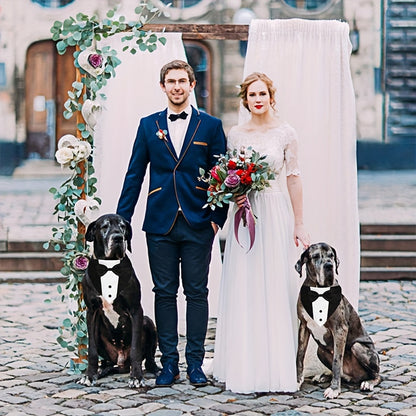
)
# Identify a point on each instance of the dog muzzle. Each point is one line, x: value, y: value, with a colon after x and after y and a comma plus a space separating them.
x: 320, y: 302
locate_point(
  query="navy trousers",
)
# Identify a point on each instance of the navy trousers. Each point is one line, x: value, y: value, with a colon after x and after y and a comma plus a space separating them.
x: 188, y: 251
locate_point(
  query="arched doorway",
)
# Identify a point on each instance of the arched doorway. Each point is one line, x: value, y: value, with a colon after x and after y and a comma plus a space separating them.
x: 199, y: 57
x: 48, y: 79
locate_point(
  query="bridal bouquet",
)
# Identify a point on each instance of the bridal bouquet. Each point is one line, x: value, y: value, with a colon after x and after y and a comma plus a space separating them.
x: 237, y: 172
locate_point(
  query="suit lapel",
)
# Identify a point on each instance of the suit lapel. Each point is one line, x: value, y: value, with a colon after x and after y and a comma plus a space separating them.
x: 162, y: 124
x: 190, y: 133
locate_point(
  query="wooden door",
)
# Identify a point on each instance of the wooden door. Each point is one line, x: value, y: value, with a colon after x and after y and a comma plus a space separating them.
x: 48, y: 79
x: 40, y: 92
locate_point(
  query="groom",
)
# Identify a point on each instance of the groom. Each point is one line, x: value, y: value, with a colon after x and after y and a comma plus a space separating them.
x: 176, y: 142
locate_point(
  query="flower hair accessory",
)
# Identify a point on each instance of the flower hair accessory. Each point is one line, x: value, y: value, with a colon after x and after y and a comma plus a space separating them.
x: 161, y: 134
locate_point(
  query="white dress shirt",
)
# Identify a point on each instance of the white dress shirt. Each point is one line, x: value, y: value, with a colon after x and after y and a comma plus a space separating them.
x: 177, y: 129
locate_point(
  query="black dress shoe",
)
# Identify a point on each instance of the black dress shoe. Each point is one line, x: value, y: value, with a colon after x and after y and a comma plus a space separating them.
x: 196, y: 376
x: 167, y: 376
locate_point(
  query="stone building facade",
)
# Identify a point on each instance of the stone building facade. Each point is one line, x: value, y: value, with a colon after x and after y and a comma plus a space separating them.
x: 382, y: 67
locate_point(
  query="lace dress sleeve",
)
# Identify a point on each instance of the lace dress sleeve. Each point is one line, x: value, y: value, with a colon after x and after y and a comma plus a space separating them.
x: 291, y: 152
x: 231, y: 139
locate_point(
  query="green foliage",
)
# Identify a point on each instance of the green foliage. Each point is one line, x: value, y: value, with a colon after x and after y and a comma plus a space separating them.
x: 84, y: 32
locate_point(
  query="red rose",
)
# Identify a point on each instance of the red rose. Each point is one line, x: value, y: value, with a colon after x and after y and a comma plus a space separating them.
x: 246, y: 179
x: 239, y: 172
x: 231, y: 164
x: 252, y: 167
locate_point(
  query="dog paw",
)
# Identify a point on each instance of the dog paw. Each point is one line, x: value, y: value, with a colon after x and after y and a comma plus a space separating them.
x: 322, y: 378
x: 86, y: 381
x: 300, y: 382
x: 367, y: 386
x: 331, y: 393
x: 135, y: 383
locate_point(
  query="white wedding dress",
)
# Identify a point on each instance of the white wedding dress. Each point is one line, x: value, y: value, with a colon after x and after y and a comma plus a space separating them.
x: 256, y: 339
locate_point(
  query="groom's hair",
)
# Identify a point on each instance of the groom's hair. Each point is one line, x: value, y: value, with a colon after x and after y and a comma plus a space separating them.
x: 177, y: 64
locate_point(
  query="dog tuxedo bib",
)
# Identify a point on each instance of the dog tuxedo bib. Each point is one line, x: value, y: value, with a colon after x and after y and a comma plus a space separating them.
x: 109, y: 280
x: 320, y: 302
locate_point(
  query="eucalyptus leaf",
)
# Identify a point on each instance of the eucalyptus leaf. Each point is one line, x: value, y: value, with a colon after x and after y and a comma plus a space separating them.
x: 61, y: 46
x: 66, y: 323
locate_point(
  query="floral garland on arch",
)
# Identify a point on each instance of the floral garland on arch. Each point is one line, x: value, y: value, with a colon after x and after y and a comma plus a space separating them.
x: 76, y: 196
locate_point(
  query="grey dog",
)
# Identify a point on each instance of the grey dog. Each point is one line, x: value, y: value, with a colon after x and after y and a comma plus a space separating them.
x: 343, y: 344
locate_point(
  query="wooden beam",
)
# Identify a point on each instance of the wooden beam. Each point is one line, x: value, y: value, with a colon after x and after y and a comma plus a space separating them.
x: 202, y: 31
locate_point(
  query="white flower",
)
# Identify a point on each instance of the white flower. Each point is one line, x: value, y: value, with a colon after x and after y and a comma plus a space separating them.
x: 67, y: 140
x: 64, y: 156
x: 82, y: 150
x: 84, y: 208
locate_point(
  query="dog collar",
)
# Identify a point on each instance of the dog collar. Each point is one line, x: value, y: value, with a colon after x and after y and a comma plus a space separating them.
x: 109, y: 280
x: 320, y: 302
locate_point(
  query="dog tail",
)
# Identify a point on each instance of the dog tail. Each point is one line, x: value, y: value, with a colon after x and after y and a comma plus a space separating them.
x: 150, y: 344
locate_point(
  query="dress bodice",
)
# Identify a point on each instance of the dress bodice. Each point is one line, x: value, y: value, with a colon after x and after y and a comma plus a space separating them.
x: 279, y: 144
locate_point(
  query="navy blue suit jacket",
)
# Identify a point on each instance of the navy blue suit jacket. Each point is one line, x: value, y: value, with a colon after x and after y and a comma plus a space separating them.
x: 173, y: 178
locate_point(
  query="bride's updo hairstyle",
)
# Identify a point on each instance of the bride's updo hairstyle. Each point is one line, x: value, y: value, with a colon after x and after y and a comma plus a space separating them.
x: 257, y: 76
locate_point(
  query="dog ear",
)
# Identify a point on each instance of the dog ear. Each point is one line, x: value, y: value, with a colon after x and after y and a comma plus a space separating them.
x: 129, y: 235
x: 89, y: 235
x: 301, y: 262
x: 336, y: 260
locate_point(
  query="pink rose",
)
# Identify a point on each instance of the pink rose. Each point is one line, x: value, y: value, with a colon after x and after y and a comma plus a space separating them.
x: 232, y: 180
x: 95, y: 60
x: 80, y: 263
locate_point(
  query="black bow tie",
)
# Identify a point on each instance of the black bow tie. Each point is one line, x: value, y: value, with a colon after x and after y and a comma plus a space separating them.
x: 118, y: 269
x: 174, y: 117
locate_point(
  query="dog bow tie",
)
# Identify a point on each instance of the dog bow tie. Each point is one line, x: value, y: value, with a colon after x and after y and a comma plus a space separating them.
x: 102, y: 269
x: 174, y: 117
x: 333, y: 294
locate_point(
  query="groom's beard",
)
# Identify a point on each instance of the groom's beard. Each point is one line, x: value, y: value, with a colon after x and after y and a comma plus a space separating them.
x: 178, y: 101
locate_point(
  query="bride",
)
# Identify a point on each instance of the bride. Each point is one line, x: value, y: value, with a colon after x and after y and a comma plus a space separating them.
x: 256, y: 334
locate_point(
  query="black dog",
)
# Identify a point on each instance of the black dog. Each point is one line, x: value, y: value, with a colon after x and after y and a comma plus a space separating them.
x: 117, y: 330
x: 343, y: 344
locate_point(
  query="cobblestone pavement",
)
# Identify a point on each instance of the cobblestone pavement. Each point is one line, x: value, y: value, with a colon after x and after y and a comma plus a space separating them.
x: 34, y: 380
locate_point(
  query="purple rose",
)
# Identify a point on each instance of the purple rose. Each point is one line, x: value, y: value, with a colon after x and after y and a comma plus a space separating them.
x: 81, y: 262
x: 95, y: 60
x: 232, y: 180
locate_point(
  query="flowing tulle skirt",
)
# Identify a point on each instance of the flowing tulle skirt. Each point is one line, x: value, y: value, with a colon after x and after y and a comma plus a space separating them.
x: 256, y: 338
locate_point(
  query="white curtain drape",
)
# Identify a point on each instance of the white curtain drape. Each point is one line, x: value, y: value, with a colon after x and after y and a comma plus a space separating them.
x: 131, y: 95
x: 308, y: 62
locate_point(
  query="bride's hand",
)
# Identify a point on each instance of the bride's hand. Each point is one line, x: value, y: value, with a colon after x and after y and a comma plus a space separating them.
x: 301, y: 235
x: 240, y: 200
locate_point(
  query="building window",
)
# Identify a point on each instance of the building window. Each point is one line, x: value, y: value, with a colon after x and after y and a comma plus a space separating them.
x: 199, y: 58
x: 53, y: 4
x: 310, y: 5
x: 181, y: 4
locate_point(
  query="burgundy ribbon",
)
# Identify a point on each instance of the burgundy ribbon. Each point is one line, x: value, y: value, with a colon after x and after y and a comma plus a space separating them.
x: 246, y: 214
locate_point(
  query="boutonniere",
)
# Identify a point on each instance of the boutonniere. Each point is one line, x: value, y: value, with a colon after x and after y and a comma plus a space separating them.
x: 161, y: 134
